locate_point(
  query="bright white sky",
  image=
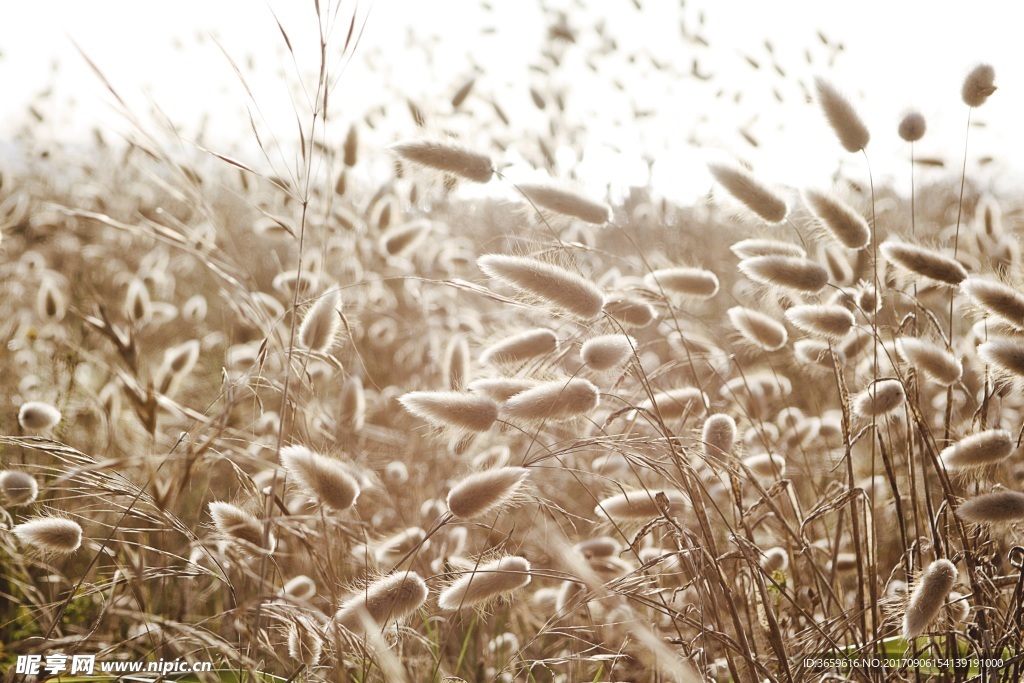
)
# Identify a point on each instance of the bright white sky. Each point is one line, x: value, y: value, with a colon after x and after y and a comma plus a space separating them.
x: 896, y: 55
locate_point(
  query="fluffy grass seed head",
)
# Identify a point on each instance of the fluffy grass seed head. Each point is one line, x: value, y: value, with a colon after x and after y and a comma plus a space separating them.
x: 880, y: 398
x: 553, y: 285
x: 789, y: 272
x: 631, y: 312
x: 442, y: 156
x: 452, y: 410
x: 484, y: 492
x: 1006, y: 354
x: 912, y: 127
x: 236, y: 525
x: 695, y: 282
x: 718, y: 436
x: 456, y: 366
x: 757, y: 328
x: 19, y: 488
x: 486, y: 582
x: 749, y: 248
x: 607, y: 351
x: 978, y: 450
x: 822, y: 320
x: 844, y: 224
x: 749, y: 191
x: 555, y: 401
x: 641, y: 504
x: 49, y: 535
x: 323, y: 478
x: 933, y: 360
x: 997, y: 299
x: 567, y: 203
x: 320, y: 326
x: 521, y: 347
x: 928, y: 597
x: 304, y: 642
x: 501, y: 389
x: 979, y: 84
x: 842, y: 117
x: 386, y: 600
x: 676, y: 403
x: 36, y: 416
x: 997, y: 507
x: 922, y: 261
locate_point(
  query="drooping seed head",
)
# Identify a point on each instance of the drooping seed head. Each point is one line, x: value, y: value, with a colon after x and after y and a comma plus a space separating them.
x: 998, y: 507
x: 922, y: 261
x: 694, y: 282
x: 486, y: 582
x: 36, y: 416
x: 446, y: 157
x: 555, y: 401
x: 880, y: 398
x: 749, y: 191
x: 556, y: 287
x: 567, y: 203
x: 758, y: 328
x: 928, y: 596
x: 607, y: 351
x: 1005, y: 354
x: 384, y: 601
x: 19, y: 488
x: 482, y: 493
x: 844, y: 224
x: 521, y: 347
x: 821, y: 320
x: 979, y: 84
x: 997, y: 299
x: 456, y: 410
x: 320, y: 326
x: 933, y: 360
x: 912, y: 127
x: 324, y: 478
x: 49, y: 535
x: 978, y: 450
x: 842, y: 117
x: 799, y: 274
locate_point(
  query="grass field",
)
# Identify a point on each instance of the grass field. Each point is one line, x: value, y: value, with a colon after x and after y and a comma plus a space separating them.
x: 284, y: 416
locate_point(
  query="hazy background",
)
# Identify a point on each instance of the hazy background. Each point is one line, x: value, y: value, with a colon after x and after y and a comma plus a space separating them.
x: 678, y: 88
